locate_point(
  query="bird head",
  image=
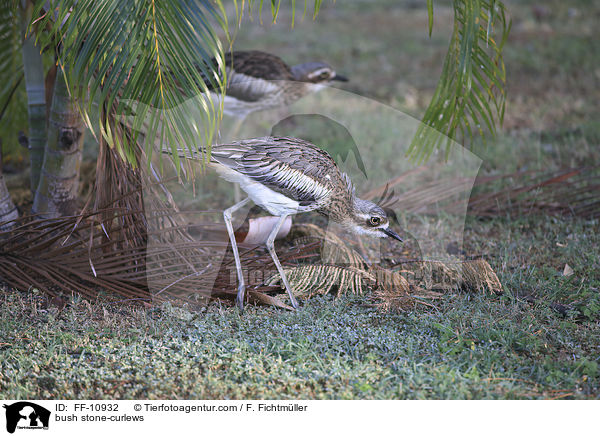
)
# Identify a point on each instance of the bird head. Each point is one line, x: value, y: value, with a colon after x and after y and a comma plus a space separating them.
x: 367, y: 218
x: 316, y: 72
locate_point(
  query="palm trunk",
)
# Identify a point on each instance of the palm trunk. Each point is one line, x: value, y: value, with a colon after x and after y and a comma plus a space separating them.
x: 36, y: 102
x: 8, y: 210
x: 59, y: 179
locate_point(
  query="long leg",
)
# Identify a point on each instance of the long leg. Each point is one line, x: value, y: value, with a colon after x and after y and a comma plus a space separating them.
x: 271, y: 248
x: 237, y: 194
x: 227, y: 213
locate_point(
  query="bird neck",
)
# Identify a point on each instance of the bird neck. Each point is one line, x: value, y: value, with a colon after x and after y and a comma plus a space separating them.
x: 297, y: 73
x: 342, y: 209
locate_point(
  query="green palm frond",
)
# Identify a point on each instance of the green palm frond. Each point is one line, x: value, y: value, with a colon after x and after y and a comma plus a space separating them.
x: 332, y: 249
x: 470, y: 96
x: 13, y: 108
x: 153, y: 53
x: 275, y: 5
x: 145, y: 51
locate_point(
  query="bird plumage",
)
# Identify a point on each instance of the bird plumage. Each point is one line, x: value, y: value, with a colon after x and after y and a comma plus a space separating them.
x: 258, y: 64
x: 259, y: 81
x: 292, y: 167
x: 287, y: 176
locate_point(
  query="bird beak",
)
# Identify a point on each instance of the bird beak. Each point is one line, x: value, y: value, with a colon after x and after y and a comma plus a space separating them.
x: 340, y: 78
x: 392, y: 234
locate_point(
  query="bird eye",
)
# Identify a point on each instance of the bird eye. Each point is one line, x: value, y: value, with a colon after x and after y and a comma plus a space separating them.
x: 324, y: 75
x: 374, y: 221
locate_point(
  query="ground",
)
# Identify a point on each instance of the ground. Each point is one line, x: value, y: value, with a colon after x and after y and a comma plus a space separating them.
x: 540, y: 339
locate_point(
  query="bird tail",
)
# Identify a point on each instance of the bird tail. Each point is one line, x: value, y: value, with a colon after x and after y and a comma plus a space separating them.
x: 185, y: 153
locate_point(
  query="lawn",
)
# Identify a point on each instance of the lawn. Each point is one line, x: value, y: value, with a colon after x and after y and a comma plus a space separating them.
x: 468, y: 346
x: 539, y: 339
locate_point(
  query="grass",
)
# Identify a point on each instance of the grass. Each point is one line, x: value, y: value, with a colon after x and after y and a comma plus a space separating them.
x: 540, y: 339
x: 471, y: 346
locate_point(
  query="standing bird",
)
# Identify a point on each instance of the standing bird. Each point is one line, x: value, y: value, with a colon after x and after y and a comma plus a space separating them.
x: 286, y: 176
x: 258, y: 81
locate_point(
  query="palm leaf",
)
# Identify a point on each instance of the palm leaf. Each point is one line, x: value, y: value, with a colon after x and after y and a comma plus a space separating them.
x: 13, y: 108
x: 71, y: 255
x: 568, y: 191
x: 470, y: 96
x: 154, y: 53
x: 275, y: 5
x: 396, y: 293
x: 145, y: 51
x: 310, y: 280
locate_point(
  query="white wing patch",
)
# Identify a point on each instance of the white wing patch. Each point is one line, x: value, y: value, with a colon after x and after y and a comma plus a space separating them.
x: 304, y: 185
x: 273, y: 202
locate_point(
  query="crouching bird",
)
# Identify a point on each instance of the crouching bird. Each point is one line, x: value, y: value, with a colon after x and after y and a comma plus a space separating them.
x: 286, y: 176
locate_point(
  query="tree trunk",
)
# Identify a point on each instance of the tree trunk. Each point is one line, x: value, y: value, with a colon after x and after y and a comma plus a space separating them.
x: 36, y: 101
x: 8, y: 210
x: 56, y: 194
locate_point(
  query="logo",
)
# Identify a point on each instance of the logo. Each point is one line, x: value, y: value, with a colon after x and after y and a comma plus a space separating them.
x: 26, y: 415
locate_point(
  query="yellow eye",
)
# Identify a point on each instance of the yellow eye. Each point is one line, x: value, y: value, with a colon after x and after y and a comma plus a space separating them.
x: 324, y: 75
x: 374, y: 221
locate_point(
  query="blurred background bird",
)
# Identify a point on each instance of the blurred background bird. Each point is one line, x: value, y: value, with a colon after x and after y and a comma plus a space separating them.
x: 258, y: 81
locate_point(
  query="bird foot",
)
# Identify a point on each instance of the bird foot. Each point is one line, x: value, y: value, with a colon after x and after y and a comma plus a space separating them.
x: 239, y: 300
x: 293, y: 301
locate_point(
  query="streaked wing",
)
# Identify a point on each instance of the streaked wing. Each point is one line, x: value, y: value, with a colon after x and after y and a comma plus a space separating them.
x: 258, y: 64
x: 250, y: 74
x: 290, y: 166
x: 254, y: 64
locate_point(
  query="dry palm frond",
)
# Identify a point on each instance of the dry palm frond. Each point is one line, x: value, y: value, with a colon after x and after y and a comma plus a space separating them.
x: 571, y: 191
x: 71, y: 255
x: 387, y: 197
x: 339, y: 267
x: 472, y: 275
x: 119, y: 184
x: 379, y: 192
x: 386, y: 201
x: 436, y: 275
x: 310, y: 280
x: 333, y: 250
x: 478, y: 275
x: 392, y: 289
x: 420, y: 194
x: 426, y: 279
x: 394, y: 292
x: 92, y: 255
x: 48, y: 255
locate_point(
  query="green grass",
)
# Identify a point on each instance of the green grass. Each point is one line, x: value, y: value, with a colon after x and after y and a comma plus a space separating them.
x: 540, y: 339
x: 470, y: 346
